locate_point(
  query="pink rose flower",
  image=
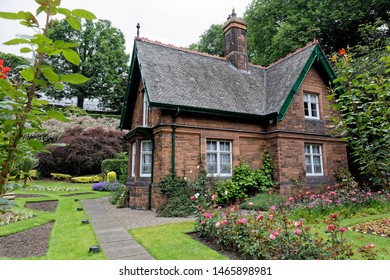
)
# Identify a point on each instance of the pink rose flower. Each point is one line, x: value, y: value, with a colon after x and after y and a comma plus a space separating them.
x: 243, y: 221
x: 208, y: 216
x: 297, y: 231
x: 272, y: 237
x: 260, y: 217
x: 330, y: 227
x: 273, y: 207
x: 287, y: 203
x: 271, y: 216
x: 298, y: 224
x: 203, y: 222
x: 250, y: 203
x: 225, y: 222
x: 218, y: 224
x: 313, y: 196
x: 290, y: 198
x: 276, y: 233
x: 213, y: 197
x: 342, y: 229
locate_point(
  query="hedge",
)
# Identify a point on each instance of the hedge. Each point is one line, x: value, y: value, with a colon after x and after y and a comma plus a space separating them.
x: 119, y: 166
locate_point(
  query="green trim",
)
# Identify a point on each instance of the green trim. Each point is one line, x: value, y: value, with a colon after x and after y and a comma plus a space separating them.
x: 210, y: 111
x: 124, y: 108
x: 321, y: 58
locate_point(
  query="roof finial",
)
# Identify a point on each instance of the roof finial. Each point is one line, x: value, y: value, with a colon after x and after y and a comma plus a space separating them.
x: 138, y: 27
x: 234, y: 13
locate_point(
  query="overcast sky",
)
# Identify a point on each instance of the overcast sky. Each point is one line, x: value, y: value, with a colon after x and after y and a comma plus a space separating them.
x: 176, y: 22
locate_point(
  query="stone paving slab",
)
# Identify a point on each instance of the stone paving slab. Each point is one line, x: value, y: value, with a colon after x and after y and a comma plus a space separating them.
x: 115, y: 240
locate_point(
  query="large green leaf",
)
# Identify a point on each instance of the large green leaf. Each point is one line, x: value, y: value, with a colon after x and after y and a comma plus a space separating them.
x: 57, y: 115
x: 71, y: 56
x: 27, y: 74
x: 35, y: 144
x: 83, y: 14
x: 8, y: 15
x: 16, y: 41
x: 74, y: 22
x: 50, y: 75
x: 74, y: 79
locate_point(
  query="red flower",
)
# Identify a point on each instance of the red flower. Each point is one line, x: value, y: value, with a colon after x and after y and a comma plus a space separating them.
x: 3, y: 70
x: 342, y: 51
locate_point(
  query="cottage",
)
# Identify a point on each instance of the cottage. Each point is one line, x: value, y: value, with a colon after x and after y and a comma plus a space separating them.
x: 184, y: 108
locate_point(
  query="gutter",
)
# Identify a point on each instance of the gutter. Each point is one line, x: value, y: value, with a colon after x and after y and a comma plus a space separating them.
x: 173, y: 159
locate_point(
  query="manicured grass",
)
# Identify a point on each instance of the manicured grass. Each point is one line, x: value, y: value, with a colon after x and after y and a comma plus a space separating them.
x: 69, y: 238
x: 171, y: 242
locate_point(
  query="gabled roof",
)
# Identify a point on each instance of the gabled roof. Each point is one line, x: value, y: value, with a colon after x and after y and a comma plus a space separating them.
x: 179, y: 78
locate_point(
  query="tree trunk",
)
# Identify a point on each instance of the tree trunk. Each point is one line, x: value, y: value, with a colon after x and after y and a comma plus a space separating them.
x: 80, y: 102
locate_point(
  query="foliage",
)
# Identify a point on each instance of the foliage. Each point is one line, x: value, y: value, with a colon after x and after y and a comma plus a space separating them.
x: 211, y: 41
x: 379, y: 227
x: 21, y: 111
x: 16, y: 65
x: 363, y: 101
x: 54, y: 129
x: 270, y: 235
x: 105, y: 186
x: 119, y: 166
x: 111, y: 176
x: 120, y: 196
x: 60, y: 176
x: 178, y: 194
x: 276, y: 28
x: 83, y: 153
x: 262, y: 201
x: 88, y: 179
x: 102, y: 58
x: 245, y: 182
x: 15, y: 215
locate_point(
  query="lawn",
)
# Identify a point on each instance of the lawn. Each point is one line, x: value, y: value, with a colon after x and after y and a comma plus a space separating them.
x: 69, y: 238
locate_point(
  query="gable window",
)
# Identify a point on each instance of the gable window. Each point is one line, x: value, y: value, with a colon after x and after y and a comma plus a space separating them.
x: 146, y: 159
x: 145, y: 114
x: 133, y: 158
x: 311, y: 106
x: 313, y: 159
x: 219, y: 158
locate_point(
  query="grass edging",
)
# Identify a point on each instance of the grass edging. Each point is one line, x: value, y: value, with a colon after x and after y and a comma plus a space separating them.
x: 172, y: 242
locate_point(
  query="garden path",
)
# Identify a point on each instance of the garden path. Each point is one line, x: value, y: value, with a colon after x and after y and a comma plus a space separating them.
x: 111, y: 225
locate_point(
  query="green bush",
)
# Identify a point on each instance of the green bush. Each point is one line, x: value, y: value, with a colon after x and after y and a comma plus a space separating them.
x: 119, y: 166
x: 178, y: 193
x: 111, y: 177
x: 88, y: 179
x: 61, y: 177
x: 120, y: 197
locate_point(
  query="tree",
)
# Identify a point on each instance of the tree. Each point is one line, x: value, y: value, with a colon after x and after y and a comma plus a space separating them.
x: 21, y: 112
x: 102, y: 58
x: 211, y: 41
x: 362, y: 96
x: 278, y: 27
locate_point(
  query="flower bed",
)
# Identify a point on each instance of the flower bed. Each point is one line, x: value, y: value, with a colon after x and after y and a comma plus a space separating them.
x: 379, y: 227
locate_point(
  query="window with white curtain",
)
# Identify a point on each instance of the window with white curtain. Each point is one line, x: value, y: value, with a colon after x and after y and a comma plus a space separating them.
x: 146, y: 159
x: 219, y: 158
x: 133, y: 158
x: 145, y: 117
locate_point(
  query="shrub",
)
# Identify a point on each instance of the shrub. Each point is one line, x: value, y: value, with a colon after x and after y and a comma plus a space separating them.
x: 245, y: 181
x: 60, y: 176
x: 270, y: 235
x: 120, y: 197
x: 88, y: 179
x: 105, y: 186
x: 15, y: 215
x: 111, y: 176
x: 119, y: 166
x: 83, y: 153
x: 178, y: 194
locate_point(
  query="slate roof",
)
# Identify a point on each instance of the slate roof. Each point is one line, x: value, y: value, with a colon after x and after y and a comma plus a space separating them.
x: 176, y: 77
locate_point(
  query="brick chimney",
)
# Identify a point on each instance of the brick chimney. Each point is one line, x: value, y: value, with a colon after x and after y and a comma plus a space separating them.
x: 235, y: 48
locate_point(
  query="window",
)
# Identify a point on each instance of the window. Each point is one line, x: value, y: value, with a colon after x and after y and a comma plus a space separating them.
x: 133, y: 158
x: 145, y: 111
x: 311, y: 106
x: 146, y: 159
x: 313, y: 158
x: 219, y: 158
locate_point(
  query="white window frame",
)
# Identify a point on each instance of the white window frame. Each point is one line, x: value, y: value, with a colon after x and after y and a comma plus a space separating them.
x: 145, y: 111
x: 133, y: 158
x: 309, y: 153
x: 308, y: 102
x: 142, y: 154
x: 218, y: 153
